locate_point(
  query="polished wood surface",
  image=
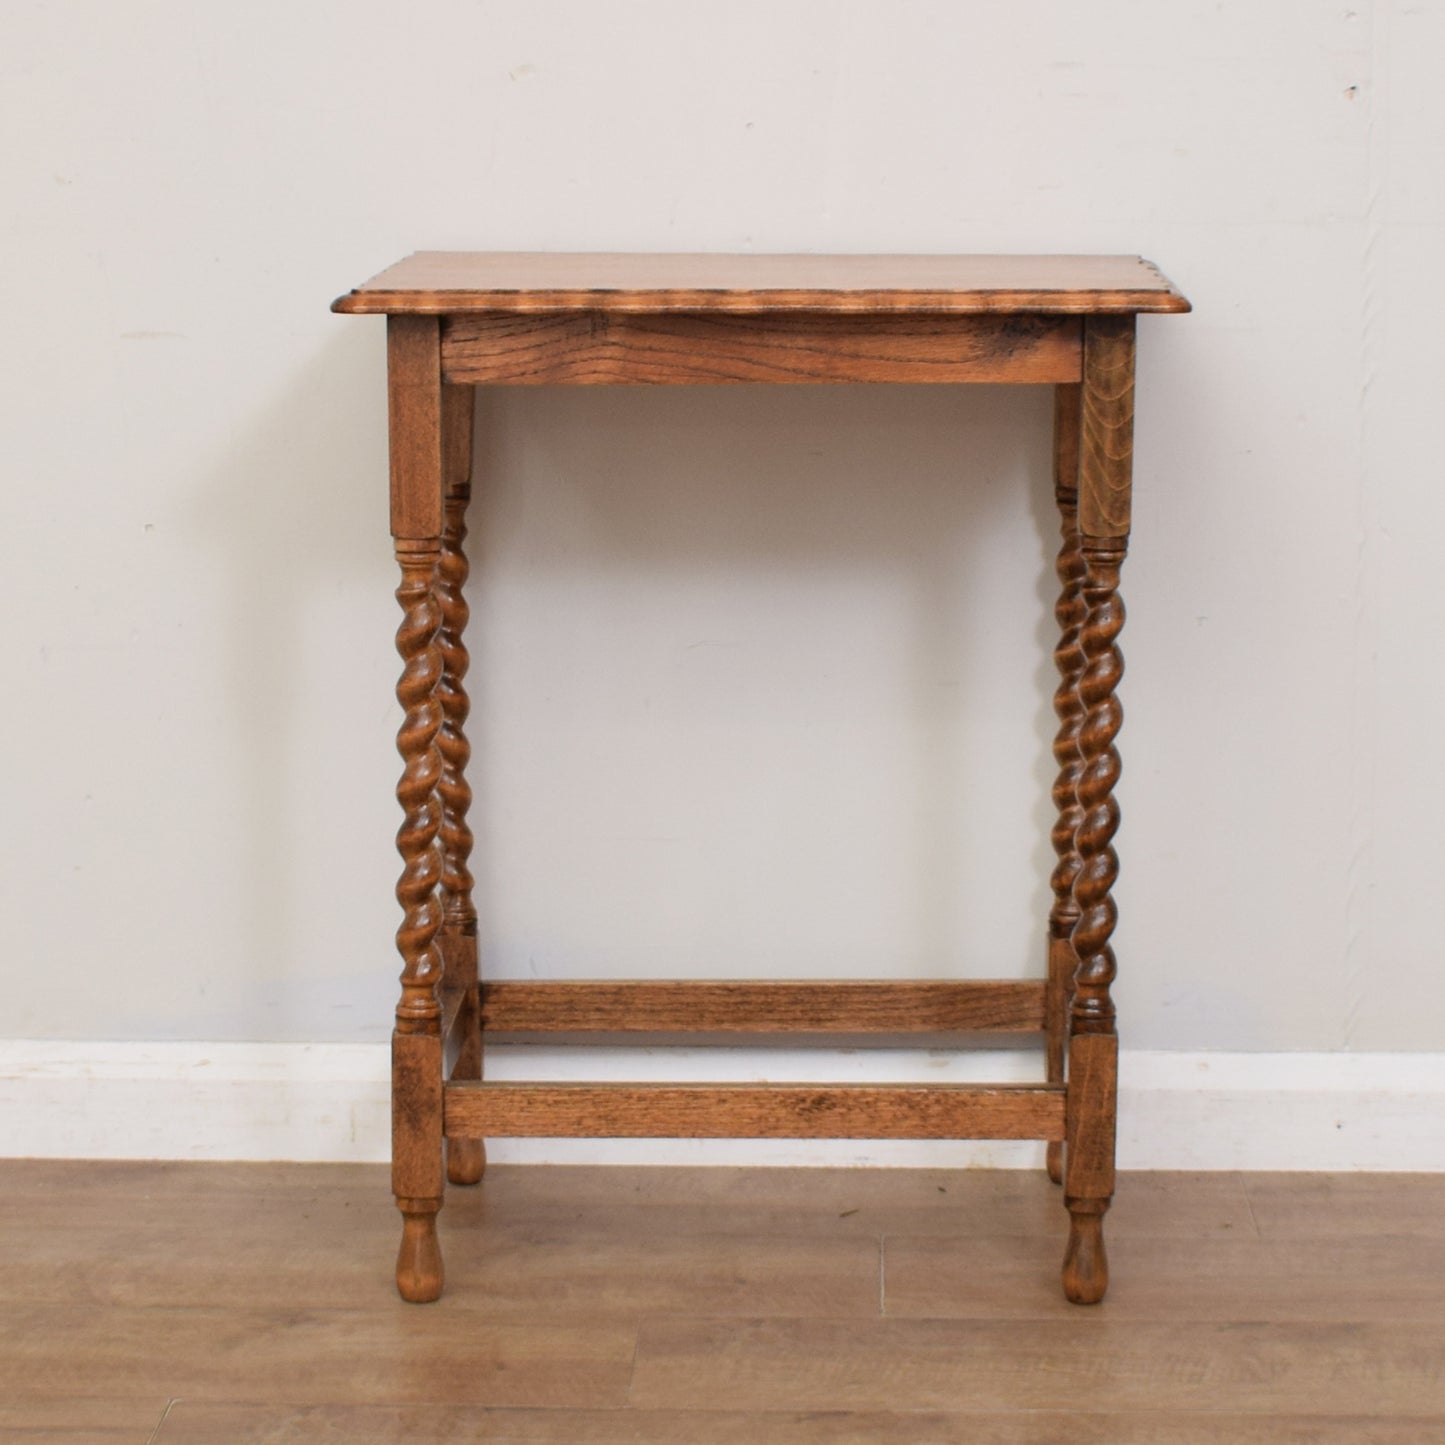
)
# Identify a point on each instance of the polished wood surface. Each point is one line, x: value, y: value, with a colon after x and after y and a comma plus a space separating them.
x: 1069, y: 610
x: 1106, y: 442
x: 455, y: 321
x: 437, y: 283
x: 596, y: 348
x: 755, y: 1111
x: 735, y: 1006
x: 465, y: 1158
x: 414, y: 420
x: 222, y: 1304
x: 418, y: 456
x: 1106, y: 413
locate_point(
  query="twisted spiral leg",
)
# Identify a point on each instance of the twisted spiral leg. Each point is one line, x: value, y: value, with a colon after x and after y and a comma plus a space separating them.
x: 416, y: 840
x: 1093, y: 1046
x: 466, y: 1158
x: 1069, y: 614
x: 416, y: 1042
x: 456, y: 752
x: 1098, y: 866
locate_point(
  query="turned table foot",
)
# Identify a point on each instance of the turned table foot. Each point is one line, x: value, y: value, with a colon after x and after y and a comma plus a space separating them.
x: 419, y: 1274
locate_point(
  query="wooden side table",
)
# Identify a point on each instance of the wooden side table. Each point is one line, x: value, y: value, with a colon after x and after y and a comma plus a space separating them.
x: 456, y: 321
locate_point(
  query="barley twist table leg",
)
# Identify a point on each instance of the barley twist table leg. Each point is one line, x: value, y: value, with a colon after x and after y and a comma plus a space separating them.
x: 416, y: 1054
x: 1106, y: 450
x: 466, y: 1158
x: 1069, y: 660
x: 1093, y: 1051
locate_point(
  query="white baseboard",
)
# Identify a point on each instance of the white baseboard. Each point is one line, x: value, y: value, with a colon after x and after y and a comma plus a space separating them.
x: 329, y: 1102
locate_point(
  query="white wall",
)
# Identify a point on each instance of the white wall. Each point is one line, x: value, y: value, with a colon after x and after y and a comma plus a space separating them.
x: 761, y: 676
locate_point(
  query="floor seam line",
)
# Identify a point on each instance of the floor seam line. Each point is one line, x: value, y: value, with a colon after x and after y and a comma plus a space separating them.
x: 165, y: 1414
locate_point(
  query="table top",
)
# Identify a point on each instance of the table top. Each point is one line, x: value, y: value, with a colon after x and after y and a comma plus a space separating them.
x: 431, y: 283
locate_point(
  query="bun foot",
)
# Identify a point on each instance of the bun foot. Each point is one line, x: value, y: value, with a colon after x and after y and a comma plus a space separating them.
x: 1086, y: 1266
x: 1054, y: 1162
x: 419, y: 1261
x: 466, y: 1161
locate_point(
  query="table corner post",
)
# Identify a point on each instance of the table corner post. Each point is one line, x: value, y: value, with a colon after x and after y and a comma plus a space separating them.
x: 415, y: 414
x: 465, y: 1158
x: 1105, y: 496
x: 1069, y: 660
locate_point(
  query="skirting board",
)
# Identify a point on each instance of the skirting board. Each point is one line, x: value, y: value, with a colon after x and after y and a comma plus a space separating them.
x: 329, y: 1102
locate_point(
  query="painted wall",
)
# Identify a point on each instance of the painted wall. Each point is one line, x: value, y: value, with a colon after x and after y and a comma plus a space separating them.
x: 761, y: 677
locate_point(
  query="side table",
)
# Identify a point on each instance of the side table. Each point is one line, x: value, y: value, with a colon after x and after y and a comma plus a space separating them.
x: 460, y: 320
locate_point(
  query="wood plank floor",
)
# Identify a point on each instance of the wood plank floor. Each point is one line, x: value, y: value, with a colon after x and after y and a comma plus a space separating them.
x: 164, y: 1302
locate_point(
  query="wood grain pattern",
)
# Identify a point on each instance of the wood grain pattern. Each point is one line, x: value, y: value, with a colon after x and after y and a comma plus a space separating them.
x: 453, y: 1000
x: 416, y: 1162
x: 440, y: 282
x: 1213, y: 1335
x: 1107, y: 439
x: 193, y: 1422
x: 466, y: 1158
x: 1326, y: 1207
x: 755, y: 1111
x: 560, y: 1267
x: 1313, y: 1369
x: 1371, y: 1278
x: 82, y: 1421
x: 1100, y: 766
x: 1089, y: 1163
x: 416, y: 891
x: 459, y: 911
x: 751, y: 1007
x: 592, y: 348
x: 414, y: 405
x: 251, y: 1200
x: 417, y: 1040
x: 1094, y: 1046
x: 562, y: 1237
x: 1069, y: 614
x: 315, y: 1356
x: 984, y: 1204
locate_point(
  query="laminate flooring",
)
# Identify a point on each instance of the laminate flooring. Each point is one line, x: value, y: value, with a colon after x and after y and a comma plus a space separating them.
x: 230, y: 1303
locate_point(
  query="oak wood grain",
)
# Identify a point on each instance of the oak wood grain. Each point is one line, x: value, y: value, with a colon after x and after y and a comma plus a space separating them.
x: 1089, y: 1162
x: 81, y: 1420
x: 591, y: 348
x: 454, y: 1002
x: 417, y: 1080
x: 459, y: 925
x: 417, y: 1043
x: 1328, y: 1206
x: 313, y: 1357
x: 439, y: 282
x: 754, y: 1111
x: 1093, y: 1085
x: 414, y: 409
x: 192, y: 1422
x: 1106, y: 448
x: 1370, y: 1278
x: 224, y: 1199
x: 754, y: 1007
x: 1212, y: 1334
x: 1069, y: 613
x: 1325, y: 1369
x: 565, y: 1266
x: 945, y: 1203
x: 465, y: 1158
